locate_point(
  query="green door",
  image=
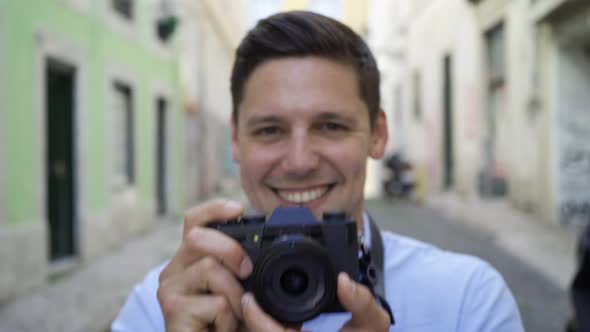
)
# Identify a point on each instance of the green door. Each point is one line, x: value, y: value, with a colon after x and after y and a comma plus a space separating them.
x: 60, y: 84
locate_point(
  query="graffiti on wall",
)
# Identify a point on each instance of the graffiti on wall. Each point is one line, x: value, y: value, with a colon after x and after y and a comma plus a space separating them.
x: 574, y: 169
x: 574, y: 137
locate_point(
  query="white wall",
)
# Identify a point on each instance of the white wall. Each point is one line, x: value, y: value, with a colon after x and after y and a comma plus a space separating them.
x: 574, y: 136
x: 385, y: 42
x: 211, y: 32
x: 445, y: 27
x: 573, y: 119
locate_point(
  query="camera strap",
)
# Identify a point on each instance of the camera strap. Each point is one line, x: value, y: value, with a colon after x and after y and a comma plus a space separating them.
x: 372, y: 261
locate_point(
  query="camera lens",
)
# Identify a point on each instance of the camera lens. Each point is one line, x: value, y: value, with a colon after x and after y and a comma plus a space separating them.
x: 294, y: 281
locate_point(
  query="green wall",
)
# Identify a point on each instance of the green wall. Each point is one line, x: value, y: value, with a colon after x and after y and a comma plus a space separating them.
x: 89, y: 31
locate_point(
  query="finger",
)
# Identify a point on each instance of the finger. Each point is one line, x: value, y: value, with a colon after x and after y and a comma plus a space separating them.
x: 199, y: 216
x: 226, y: 322
x: 190, y: 313
x: 203, y: 241
x: 367, y: 315
x: 257, y: 320
x: 211, y: 211
x: 206, y: 275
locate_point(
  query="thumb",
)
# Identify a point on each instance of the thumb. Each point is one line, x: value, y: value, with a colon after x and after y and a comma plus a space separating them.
x: 367, y: 314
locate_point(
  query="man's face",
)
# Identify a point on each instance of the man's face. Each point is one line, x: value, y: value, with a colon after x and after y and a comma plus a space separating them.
x: 303, y: 136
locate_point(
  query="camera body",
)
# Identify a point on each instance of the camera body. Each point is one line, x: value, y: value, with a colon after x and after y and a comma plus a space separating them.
x: 296, y: 260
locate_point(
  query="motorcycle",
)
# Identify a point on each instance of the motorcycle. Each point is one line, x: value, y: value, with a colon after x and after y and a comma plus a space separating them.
x: 402, y: 180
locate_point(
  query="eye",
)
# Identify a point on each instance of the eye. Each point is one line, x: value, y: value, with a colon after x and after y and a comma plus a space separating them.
x: 267, y: 131
x: 332, y: 127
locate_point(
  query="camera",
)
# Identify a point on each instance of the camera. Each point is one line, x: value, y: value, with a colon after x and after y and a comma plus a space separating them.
x: 296, y: 260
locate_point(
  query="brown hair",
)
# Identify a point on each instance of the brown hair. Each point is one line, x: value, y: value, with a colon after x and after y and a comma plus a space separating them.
x: 302, y: 33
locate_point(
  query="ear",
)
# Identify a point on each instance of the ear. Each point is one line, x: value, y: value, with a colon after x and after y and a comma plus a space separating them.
x: 235, y: 152
x: 379, y: 136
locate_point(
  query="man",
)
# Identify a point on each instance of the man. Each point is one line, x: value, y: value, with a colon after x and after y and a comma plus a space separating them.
x: 305, y: 119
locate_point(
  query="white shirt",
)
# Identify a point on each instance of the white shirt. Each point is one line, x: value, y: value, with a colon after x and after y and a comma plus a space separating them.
x: 428, y: 290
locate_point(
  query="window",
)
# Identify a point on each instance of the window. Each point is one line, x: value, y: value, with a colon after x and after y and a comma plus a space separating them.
x: 417, y: 87
x: 495, y: 50
x: 397, y: 106
x: 166, y: 21
x: 124, y: 161
x: 123, y: 8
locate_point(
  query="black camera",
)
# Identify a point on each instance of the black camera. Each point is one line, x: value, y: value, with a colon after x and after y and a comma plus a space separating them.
x: 296, y: 260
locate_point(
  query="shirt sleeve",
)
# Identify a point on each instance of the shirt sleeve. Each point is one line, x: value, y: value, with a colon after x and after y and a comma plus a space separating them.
x: 141, y: 311
x: 489, y: 305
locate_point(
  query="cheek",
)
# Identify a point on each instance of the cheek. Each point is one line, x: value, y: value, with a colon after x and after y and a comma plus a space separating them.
x: 359, y: 170
x: 251, y: 167
x: 256, y: 162
x: 350, y: 160
x: 351, y: 169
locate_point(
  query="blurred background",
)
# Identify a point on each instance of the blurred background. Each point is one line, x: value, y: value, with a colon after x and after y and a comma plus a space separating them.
x: 114, y: 118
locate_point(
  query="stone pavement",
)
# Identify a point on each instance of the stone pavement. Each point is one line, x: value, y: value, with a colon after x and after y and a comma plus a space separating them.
x: 89, y: 298
x: 549, y: 248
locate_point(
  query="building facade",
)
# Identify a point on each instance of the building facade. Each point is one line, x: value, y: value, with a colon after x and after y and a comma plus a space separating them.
x: 488, y: 99
x: 91, y: 142
x: 209, y: 35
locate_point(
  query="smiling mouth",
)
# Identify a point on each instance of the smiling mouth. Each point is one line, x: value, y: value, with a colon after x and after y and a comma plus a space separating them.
x: 303, y: 196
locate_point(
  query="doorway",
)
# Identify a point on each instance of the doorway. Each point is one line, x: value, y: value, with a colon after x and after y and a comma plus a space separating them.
x: 448, y: 151
x: 161, y: 156
x: 60, y: 87
x: 493, y: 177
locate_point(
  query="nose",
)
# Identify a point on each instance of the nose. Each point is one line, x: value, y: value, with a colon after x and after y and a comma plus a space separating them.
x: 301, y: 158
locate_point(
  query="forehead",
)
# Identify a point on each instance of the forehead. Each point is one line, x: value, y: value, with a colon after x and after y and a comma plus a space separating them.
x: 299, y: 85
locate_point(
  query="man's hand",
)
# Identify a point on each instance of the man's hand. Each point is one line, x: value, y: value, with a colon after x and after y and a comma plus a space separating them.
x: 199, y: 289
x: 367, y: 314
x: 257, y: 320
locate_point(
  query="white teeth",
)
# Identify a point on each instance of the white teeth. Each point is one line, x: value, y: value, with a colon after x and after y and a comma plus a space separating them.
x: 307, y: 196
x: 303, y: 196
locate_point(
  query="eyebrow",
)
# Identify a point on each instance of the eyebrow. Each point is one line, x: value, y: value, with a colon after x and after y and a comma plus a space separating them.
x: 272, y: 118
x: 257, y: 119
x: 336, y: 116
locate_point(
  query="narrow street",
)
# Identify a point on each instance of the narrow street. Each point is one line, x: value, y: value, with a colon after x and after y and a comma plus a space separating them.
x: 543, y: 304
x: 87, y: 299
x: 117, y: 116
